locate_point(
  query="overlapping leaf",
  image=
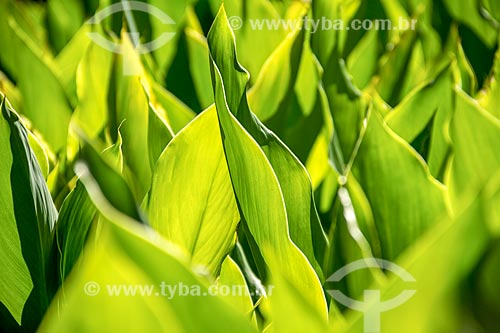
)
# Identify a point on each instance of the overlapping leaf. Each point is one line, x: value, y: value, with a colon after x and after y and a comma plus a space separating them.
x: 404, y: 206
x: 28, y: 217
x: 191, y: 202
x: 262, y: 201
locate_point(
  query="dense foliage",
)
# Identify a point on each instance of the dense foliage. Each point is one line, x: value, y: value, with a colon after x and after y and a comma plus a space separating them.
x: 265, y: 158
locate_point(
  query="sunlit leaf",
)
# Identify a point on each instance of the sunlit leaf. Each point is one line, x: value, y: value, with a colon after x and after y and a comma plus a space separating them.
x: 36, y: 80
x: 475, y: 134
x: 194, y: 208
x: 28, y: 217
x: 256, y: 186
x: 404, y: 197
x: 73, y: 226
x: 468, y: 12
x: 127, y: 255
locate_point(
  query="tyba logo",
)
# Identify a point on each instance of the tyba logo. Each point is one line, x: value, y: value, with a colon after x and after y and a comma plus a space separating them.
x: 127, y: 7
x: 372, y: 305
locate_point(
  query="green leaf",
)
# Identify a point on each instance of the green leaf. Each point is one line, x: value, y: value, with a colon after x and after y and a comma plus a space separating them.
x: 326, y: 149
x: 346, y: 104
x: 489, y: 97
x: 394, y: 10
x: 404, y: 197
x: 469, y: 80
x: 255, y: 42
x: 177, y: 12
x: 26, y: 206
x: 127, y: 256
x: 475, y: 134
x: 15, y: 271
x: 290, y: 309
x: 113, y: 186
x: 303, y: 222
x: 418, y: 108
x: 486, y: 287
x: 439, y: 271
x: 159, y: 135
x: 254, y: 283
x: 353, y: 235
x: 170, y: 107
x: 362, y: 61
x: 64, y: 18
x: 393, y: 68
x: 256, y: 185
x: 72, y: 228
x: 31, y: 18
x: 68, y: 60
x: 114, y: 155
x: 191, y: 207
x: 232, y: 277
x: 34, y: 72
x: 414, y: 73
x: 324, y: 42
x: 40, y: 152
x: 131, y: 111
x: 307, y: 81
x: 469, y: 13
x: 8, y: 88
x: 493, y: 7
x: 92, y: 84
x: 199, y: 64
x: 276, y: 79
